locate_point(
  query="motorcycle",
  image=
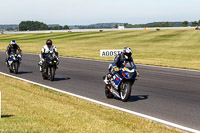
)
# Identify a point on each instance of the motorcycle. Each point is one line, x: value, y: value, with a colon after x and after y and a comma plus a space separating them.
x: 49, y: 67
x: 120, y: 84
x: 14, y: 62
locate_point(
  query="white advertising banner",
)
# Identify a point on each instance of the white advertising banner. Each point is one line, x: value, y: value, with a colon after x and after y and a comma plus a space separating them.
x: 110, y: 52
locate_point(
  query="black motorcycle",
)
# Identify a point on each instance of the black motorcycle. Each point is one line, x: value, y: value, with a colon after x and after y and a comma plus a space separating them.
x: 14, y: 62
x: 49, y: 67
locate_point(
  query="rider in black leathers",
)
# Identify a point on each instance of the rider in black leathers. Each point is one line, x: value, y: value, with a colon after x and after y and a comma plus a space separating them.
x: 120, y: 61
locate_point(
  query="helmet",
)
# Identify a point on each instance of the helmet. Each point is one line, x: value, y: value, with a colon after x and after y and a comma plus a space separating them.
x: 127, y: 52
x: 49, y: 43
x: 13, y: 42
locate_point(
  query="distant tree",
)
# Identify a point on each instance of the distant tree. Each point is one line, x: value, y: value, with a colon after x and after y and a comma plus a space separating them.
x: 167, y: 24
x: 66, y: 27
x: 185, y: 23
x: 57, y: 27
x: 32, y: 25
x: 195, y: 23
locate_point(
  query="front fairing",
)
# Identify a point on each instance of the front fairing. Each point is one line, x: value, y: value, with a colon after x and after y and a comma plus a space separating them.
x: 14, y: 57
x: 128, y: 75
x: 50, y: 60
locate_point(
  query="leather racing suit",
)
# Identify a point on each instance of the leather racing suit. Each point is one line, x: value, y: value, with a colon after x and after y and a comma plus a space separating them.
x: 45, y: 51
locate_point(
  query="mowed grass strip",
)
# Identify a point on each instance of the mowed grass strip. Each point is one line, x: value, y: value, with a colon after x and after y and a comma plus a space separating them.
x: 31, y: 108
x: 170, y: 48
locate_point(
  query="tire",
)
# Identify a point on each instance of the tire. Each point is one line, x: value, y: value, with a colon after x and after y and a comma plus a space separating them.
x: 51, y: 73
x: 125, y: 91
x: 108, y: 93
x: 15, y: 67
x: 10, y: 68
x: 44, y: 77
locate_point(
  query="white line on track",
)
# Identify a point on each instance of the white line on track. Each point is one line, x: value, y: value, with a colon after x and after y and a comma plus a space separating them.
x: 109, y: 105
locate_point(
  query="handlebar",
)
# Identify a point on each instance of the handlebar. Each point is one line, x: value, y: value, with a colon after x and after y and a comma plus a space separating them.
x: 128, y: 70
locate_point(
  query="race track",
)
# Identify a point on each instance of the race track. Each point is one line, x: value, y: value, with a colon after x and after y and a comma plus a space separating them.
x: 168, y: 94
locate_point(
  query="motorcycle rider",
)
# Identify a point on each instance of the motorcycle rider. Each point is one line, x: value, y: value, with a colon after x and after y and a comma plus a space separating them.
x: 120, y: 61
x: 46, y: 49
x: 12, y: 47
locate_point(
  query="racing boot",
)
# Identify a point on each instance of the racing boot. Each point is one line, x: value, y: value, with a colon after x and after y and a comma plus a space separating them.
x: 107, y: 78
x: 6, y: 62
x: 41, y: 69
x: 40, y: 64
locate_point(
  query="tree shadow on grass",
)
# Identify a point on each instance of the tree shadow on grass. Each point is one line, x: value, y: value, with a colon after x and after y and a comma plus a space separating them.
x: 6, y: 116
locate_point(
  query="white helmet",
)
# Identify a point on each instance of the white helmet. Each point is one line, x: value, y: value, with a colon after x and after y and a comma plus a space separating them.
x: 13, y: 42
x: 127, y: 52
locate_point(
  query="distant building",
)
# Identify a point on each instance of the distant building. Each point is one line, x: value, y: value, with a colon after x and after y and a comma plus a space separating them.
x: 120, y: 26
x: 9, y: 27
x: 53, y: 25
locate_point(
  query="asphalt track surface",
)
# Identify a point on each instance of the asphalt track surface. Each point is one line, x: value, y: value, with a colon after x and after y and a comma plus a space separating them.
x: 167, y: 94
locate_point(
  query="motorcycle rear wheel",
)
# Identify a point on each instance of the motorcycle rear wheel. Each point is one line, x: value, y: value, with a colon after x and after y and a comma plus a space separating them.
x: 10, y: 70
x: 44, y: 77
x: 108, y: 93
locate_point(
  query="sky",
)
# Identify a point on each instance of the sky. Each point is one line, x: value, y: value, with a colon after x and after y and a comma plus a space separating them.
x: 84, y: 12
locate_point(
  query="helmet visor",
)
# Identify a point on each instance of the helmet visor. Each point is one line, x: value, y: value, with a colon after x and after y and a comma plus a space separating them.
x: 128, y: 54
x: 49, y: 45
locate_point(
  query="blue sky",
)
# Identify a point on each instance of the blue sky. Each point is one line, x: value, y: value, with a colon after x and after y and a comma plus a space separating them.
x: 83, y: 12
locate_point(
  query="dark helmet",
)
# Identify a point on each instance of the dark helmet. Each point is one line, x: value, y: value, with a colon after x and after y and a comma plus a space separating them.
x: 127, y: 52
x: 13, y: 42
x: 49, y: 43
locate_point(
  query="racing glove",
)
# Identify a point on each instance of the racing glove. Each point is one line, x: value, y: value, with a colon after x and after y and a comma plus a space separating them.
x: 116, y: 69
x: 137, y: 73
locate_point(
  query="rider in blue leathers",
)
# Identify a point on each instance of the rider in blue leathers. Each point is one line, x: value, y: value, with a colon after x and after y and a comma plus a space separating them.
x: 12, y: 47
x: 120, y: 61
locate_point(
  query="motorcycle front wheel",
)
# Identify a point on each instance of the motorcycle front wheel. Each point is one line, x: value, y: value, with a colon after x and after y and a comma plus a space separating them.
x: 51, y: 73
x: 15, y: 67
x: 125, y: 91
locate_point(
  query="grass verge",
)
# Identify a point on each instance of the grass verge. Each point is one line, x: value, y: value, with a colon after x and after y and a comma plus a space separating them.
x: 171, y: 48
x: 31, y: 108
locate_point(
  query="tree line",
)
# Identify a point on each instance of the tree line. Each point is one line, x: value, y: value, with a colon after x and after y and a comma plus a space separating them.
x: 194, y: 23
x: 164, y: 24
x: 36, y: 25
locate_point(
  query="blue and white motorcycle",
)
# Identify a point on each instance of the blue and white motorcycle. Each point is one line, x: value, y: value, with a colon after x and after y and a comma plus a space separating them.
x: 120, y: 84
x: 14, y: 62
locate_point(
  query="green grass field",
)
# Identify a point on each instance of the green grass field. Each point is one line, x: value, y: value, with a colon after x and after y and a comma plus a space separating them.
x: 30, y: 108
x: 171, y: 48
